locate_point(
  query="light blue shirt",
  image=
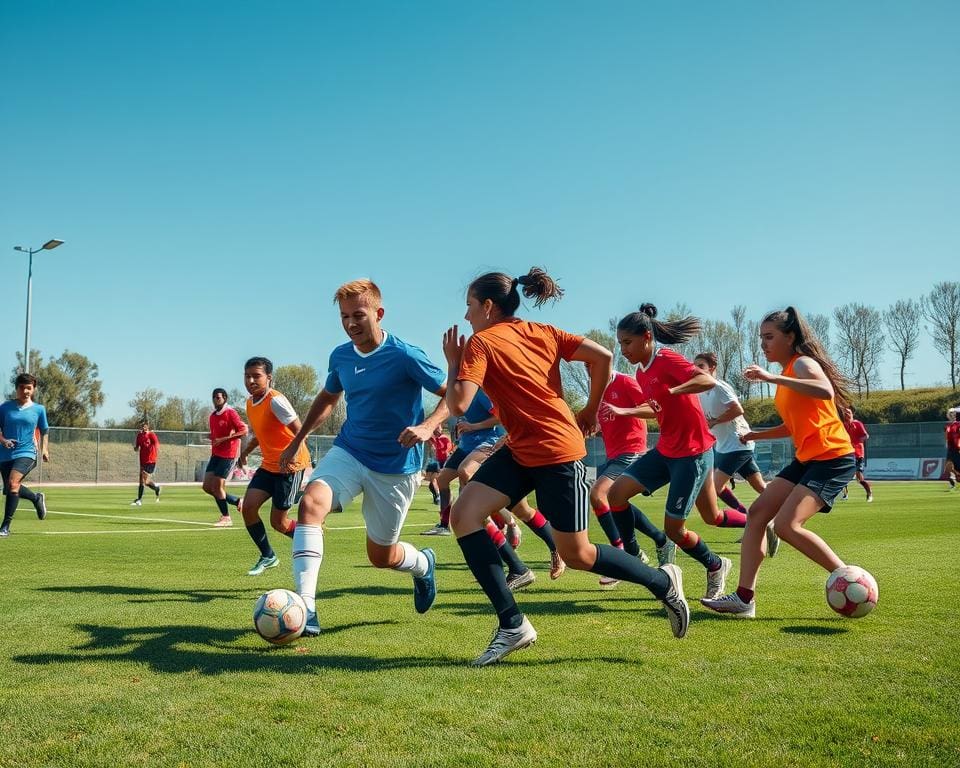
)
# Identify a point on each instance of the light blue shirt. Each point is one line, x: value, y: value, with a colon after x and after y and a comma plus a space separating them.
x: 19, y: 424
x: 384, y: 396
x: 480, y: 409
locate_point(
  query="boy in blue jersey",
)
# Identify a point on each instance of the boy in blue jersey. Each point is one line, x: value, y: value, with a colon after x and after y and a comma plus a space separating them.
x: 20, y: 420
x: 379, y: 451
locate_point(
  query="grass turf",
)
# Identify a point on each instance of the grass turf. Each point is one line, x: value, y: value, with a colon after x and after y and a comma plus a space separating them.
x: 128, y: 641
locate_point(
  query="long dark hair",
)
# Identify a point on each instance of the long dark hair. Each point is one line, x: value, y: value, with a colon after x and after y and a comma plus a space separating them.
x: 672, y: 332
x: 503, y: 291
x: 805, y: 342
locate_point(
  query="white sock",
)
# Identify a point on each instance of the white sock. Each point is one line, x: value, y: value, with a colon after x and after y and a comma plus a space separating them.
x: 307, y: 556
x: 414, y: 561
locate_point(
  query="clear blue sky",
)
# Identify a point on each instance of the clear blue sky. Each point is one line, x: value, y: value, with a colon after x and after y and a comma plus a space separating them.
x: 217, y: 169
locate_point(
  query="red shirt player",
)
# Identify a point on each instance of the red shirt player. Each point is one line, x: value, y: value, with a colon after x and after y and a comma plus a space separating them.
x: 858, y: 436
x: 226, y: 430
x: 442, y: 447
x: 952, y: 434
x: 148, y: 444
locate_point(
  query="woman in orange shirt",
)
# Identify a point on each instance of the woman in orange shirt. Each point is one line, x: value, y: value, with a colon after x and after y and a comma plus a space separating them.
x: 808, y: 391
x: 518, y: 365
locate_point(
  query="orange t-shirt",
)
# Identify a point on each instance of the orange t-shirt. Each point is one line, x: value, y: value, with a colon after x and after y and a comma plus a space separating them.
x: 270, y: 419
x: 814, y: 424
x: 517, y: 363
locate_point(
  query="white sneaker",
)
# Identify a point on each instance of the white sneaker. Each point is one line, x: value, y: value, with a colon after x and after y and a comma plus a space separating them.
x: 507, y: 641
x: 224, y: 522
x: 731, y: 604
x: 675, y: 603
x: 869, y: 497
x: 717, y: 580
x: 773, y: 541
x: 517, y: 581
x: 607, y: 583
x: 136, y: 503
x: 643, y: 557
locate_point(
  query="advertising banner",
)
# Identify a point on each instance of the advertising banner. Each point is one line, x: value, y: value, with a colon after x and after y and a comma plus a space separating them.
x: 933, y: 469
x: 893, y: 469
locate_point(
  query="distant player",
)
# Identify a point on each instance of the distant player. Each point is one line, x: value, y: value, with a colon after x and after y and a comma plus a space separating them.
x: 226, y: 429
x: 858, y: 436
x: 148, y: 444
x: 21, y: 420
x: 952, y: 434
x: 273, y: 423
x: 379, y: 451
x: 440, y: 447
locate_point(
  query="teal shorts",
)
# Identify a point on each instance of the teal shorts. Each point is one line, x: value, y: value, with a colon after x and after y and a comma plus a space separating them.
x: 685, y: 476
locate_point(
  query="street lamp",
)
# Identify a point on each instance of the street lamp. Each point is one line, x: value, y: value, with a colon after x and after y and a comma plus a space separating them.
x: 47, y: 246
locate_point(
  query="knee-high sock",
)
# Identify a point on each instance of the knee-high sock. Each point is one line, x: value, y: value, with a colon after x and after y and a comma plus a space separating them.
x: 733, y: 519
x: 624, y: 519
x: 139, y: 491
x: 26, y: 493
x: 507, y: 553
x: 617, y: 564
x: 259, y: 535
x: 484, y: 563
x: 152, y: 486
x: 307, y: 556
x: 232, y: 500
x: 727, y: 497
x: 222, y: 506
x: 643, y: 524
x: 445, y: 506
x: 541, y: 526
x: 697, y: 548
x: 414, y: 561
x: 10, y: 502
x: 609, y: 526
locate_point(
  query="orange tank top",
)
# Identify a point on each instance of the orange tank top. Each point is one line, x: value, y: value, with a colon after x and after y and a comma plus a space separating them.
x: 273, y: 436
x: 814, y: 424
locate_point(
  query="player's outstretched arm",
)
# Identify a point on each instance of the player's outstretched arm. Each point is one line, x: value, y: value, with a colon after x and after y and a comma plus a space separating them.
x: 600, y: 362
x: 320, y: 409
x: 420, y: 433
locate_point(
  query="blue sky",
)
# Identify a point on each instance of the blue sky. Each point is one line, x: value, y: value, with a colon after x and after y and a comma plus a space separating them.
x: 217, y: 169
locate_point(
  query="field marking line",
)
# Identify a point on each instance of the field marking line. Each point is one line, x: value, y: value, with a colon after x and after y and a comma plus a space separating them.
x: 129, y: 517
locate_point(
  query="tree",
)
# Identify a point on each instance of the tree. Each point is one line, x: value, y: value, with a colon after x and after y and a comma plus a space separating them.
x: 299, y: 385
x: 620, y: 363
x: 860, y: 343
x: 820, y: 325
x: 146, y: 406
x: 756, y: 353
x: 689, y: 348
x: 720, y: 338
x: 739, y: 316
x: 68, y: 386
x: 903, y: 331
x: 196, y: 415
x: 941, y: 308
x: 171, y: 415
x: 573, y: 375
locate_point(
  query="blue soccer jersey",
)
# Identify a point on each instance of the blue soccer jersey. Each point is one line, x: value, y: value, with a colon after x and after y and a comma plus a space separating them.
x: 480, y: 410
x: 384, y: 395
x: 20, y: 425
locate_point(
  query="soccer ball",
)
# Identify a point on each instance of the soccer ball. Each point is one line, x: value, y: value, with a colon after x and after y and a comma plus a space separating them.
x: 279, y: 616
x: 852, y: 591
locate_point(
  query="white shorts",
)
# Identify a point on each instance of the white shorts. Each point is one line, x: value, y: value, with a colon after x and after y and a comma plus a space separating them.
x: 386, y: 498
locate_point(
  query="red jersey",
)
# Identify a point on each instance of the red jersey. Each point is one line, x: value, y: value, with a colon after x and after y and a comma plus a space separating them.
x: 441, y: 448
x: 147, y: 443
x: 222, y: 423
x: 683, y: 427
x: 953, y: 436
x: 622, y: 434
x: 858, y: 433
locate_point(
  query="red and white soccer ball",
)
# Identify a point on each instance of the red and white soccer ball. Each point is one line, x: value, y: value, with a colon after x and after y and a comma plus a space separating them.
x: 852, y: 591
x: 279, y: 616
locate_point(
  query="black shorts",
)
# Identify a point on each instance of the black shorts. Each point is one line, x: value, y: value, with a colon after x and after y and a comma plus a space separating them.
x: 148, y: 468
x: 861, y: 462
x: 455, y: 459
x: 736, y: 461
x: 23, y: 465
x: 562, y: 490
x: 221, y: 466
x: 432, y: 466
x: 281, y: 486
x: 827, y: 478
x: 954, y: 456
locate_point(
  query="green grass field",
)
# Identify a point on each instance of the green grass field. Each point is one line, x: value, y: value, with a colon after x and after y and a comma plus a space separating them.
x: 127, y: 641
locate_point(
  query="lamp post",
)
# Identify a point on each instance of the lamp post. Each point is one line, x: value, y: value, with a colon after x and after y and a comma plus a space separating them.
x: 47, y: 246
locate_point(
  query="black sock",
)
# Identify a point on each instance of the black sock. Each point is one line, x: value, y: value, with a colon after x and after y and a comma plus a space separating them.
x: 444, y: 498
x: 545, y: 532
x: 9, y: 507
x: 511, y: 559
x: 139, y: 491
x: 647, y: 528
x: 702, y: 554
x: 484, y: 563
x: 232, y: 500
x: 222, y: 506
x: 153, y: 487
x: 609, y: 526
x: 259, y: 535
x: 617, y: 564
x: 624, y: 519
x: 26, y: 493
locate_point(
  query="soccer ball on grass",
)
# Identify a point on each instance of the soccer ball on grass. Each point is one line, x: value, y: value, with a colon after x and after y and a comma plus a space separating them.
x: 279, y: 616
x: 852, y: 591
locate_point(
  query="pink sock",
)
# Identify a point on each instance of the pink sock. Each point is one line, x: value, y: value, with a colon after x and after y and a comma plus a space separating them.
x: 733, y: 519
x: 727, y: 497
x: 537, y: 521
x: 496, y: 534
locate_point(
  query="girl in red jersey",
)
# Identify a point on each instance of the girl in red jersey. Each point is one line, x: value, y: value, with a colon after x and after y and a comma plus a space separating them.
x: 858, y: 436
x: 683, y: 455
x: 518, y: 365
x: 807, y: 394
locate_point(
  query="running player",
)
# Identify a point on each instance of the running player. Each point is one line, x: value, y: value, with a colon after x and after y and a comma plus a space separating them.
x: 273, y: 423
x: 226, y: 429
x: 518, y: 364
x: 952, y: 434
x: 148, y: 444
x: 439, y: 446
x: 858, y: 436
x: 808, y: 391
x: 683, y: 455
x: 379, y: 451
x: 21, y: 420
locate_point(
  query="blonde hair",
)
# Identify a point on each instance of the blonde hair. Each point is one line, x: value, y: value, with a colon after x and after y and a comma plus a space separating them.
x: 359, y: 288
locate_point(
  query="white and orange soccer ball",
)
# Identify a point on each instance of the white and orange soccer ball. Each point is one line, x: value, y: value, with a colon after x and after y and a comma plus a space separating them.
x: 852, y: 591
x: 279, y: 616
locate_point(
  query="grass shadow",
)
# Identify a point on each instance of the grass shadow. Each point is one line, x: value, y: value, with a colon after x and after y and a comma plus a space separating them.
x: 814, y: 630
x: 150, y: 595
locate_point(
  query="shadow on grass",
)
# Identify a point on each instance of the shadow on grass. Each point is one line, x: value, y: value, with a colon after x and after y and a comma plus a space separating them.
x: 174, y: 649
x: 150, y: 595
x: 814, y: 630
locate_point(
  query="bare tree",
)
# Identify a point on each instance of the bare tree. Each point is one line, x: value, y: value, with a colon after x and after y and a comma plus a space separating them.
x: 739, y: 316
x: 620, y: 363
x: 756, y: 353
x: 903, y: 331
x: 860, y: 343
x: 720, y: 338
x: 941, y: 309
x: 820, y: 325
x: 574, y: 376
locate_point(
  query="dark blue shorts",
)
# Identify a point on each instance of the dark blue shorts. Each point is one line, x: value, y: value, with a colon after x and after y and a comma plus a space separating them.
x: 148, y: 468
x: 827, y: 478
x: 616, y: 466
x: 685, y: 476
x: 954, y: 456
x: 432, y: 466
x: 281, y: 486
x: 221, y: 466
x: 455, y: 459
x: 861, y: 463
x: 23, y: 465
x: 736, y: 461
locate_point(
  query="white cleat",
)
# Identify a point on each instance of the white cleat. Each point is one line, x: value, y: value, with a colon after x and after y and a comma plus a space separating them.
x: 717, y: 580
x: 506, y: 641
x: 731, y: 604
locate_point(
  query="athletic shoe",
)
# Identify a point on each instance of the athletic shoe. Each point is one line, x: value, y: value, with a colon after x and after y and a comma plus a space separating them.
x: 224, y: 522
x: 262, y: 564
x: 717, y: 580
x: 4, y: 531
x: 666, y: 554
x: 157, y: 491
x: 869, y: 497
x: 607, y: 583
x: 513, y: 535
x: 844, y: 497
x: 507, y: 641
x: 437, y: 530
x: 135, y: 503
x: 557, y: 566
x: 731, y: 604
x: 41, y: 506
x: 516, y: 581
x: 240, y: 505
x: 773, y: 541
x: 425, y: 587
x: 643, y: 557
x: 675, y: 603
x: 312, y: 627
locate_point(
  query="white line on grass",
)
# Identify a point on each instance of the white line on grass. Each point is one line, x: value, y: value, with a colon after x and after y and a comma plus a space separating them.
x: 209, y: 527
x: 128, y: 517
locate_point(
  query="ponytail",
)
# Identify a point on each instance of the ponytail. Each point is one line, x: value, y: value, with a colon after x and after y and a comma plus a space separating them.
x: 504, y: 291
x: 671, y: 332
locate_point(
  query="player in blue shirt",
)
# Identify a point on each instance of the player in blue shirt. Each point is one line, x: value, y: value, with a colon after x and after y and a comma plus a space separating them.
x: 20, y: 420
x: 379, y: 451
